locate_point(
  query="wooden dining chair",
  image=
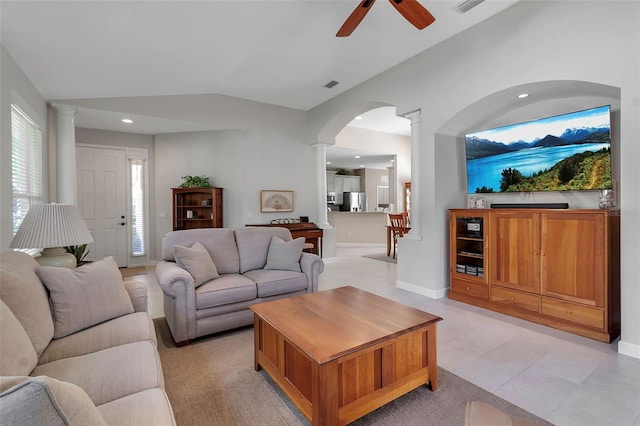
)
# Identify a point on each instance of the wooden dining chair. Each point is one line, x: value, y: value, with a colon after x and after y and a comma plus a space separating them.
x: 398, y: 227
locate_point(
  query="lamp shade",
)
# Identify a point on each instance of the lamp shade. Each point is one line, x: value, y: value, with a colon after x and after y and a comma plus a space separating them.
x: 52, y: 225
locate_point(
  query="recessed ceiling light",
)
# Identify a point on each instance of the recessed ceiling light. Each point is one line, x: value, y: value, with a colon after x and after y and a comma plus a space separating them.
x: 328, y: 162
x: 361, y: 165
x: 359, y: 117
x: 523, y: 95
x: 127, y: 120
x: 357, y: 156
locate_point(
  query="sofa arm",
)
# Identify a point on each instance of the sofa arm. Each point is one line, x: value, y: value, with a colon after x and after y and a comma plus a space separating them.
x: 172, y: 278
x: 45, y: 400
x: 138, y: 294
x: 179, y: 300
x: 311, y: 265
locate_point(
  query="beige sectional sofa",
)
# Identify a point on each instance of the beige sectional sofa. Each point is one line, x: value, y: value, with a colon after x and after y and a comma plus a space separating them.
x: 77, y: 347
x: 250, y: 265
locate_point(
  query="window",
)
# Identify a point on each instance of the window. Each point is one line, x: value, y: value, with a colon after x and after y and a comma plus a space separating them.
x: 138, y: 236
x: 26, y: 165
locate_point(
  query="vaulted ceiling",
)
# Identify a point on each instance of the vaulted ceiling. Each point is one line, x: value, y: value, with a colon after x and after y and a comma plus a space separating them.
x: 280, y: 52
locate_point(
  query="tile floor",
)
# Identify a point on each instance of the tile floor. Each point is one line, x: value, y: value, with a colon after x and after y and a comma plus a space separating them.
x: 563, y: 378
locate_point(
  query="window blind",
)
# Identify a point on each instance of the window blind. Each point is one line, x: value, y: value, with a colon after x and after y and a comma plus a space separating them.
x: 26, y: 165
x: 138, y: 234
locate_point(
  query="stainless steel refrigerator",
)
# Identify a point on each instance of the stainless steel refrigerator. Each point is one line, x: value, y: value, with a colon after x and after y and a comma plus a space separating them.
x: 354, y: 202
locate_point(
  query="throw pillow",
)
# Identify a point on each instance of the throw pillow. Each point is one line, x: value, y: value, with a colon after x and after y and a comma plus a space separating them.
x: 45, y: 401
x: 197, y: 261
x: 86, y: 296
x: 285, y: 255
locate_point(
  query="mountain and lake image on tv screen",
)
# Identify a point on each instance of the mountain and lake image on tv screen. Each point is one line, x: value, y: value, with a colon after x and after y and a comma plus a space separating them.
x: 568, y: 152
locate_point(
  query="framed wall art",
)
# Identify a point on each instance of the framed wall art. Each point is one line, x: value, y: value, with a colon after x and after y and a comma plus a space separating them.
x: 275, y: 201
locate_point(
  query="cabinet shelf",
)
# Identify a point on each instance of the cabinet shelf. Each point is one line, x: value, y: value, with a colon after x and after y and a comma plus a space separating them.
x: 473, y: 255
x: 463, y: 237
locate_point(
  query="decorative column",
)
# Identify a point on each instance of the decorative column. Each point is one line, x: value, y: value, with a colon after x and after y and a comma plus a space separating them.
x: 393, y: 187
x: 66, y: 154
x: 321, y: 185
x: 416, y: 225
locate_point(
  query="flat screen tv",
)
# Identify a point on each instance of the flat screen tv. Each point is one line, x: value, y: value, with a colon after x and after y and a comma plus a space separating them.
x: 568, y: 152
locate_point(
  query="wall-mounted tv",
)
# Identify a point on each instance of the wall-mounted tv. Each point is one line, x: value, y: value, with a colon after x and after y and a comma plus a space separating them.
x: 568, y: 152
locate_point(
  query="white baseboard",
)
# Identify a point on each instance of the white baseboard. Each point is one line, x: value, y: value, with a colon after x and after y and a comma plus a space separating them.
x: 629, y: 349
x: 433, y: 294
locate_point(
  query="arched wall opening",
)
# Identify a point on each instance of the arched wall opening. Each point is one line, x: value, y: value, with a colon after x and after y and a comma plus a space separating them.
x: 427, y: 270
x: 339, y: 139
x: 546, y: 98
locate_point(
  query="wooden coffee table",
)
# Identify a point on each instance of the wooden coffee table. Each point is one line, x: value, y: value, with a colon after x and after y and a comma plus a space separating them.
x: 340, y: 354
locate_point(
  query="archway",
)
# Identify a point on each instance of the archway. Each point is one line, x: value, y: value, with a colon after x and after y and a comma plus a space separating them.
x: 339, y: 138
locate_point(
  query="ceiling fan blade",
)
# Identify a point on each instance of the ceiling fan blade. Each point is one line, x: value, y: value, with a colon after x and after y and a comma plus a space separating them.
x: 355, y: 18
x: 414, y: 12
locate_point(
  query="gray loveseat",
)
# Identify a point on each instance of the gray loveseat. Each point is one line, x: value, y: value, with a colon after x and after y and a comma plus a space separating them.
x: 240, y: 257
x: 69, y: 358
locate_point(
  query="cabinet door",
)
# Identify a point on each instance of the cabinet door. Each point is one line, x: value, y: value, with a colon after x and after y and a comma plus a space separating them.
x: 573, y: 258
x: 355, y: 184
x: 330, y: 183
x: 515, y: 246
x: 338, y: 186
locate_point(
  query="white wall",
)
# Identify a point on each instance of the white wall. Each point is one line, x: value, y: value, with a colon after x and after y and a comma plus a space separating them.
x: 243, y: 162
x: 529, y: 42
x: 15, y: 88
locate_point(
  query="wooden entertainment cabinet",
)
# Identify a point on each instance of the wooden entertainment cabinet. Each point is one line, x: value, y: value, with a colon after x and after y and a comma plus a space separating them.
x: 559, y: 268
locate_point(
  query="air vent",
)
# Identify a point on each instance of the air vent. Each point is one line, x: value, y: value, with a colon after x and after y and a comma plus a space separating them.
x: 331, y: 84
x: 467, y: 5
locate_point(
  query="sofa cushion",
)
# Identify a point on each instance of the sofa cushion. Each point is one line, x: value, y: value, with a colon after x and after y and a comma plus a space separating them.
x: 46, y: 401
x: 272, y: 282
x: 230, y: 288
x: 17, y: 355
x: 197, y: 261
x: 149, y: 407
x: 130, y: 328
x: 219, y: 242
x: 285, y: 255
x: 253, y: 245
x: 78, y: 296
x: 27, y: 298
x: 111, y: 373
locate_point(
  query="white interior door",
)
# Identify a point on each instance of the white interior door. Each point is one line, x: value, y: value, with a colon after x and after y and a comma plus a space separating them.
x: 102, y: 199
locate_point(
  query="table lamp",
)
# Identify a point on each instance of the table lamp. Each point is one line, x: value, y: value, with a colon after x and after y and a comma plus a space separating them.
x: 53, y: 227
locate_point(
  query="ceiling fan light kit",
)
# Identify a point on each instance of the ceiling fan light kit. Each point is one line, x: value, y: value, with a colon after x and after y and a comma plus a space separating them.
x: 412, y: 11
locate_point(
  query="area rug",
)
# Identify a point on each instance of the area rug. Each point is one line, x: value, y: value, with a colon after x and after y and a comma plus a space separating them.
x: 382, y: 257
x: 130, y: 272
x: 212, y: 381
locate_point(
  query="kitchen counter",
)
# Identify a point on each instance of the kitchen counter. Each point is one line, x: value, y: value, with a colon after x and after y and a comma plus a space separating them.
x: 359, y: 227
x: 338, y: 212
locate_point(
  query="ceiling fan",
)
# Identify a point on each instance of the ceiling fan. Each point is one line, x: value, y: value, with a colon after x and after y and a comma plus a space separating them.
x: 413, y: 12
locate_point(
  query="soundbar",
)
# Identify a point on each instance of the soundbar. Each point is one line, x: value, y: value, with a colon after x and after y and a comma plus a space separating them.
x: 529, y: 205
